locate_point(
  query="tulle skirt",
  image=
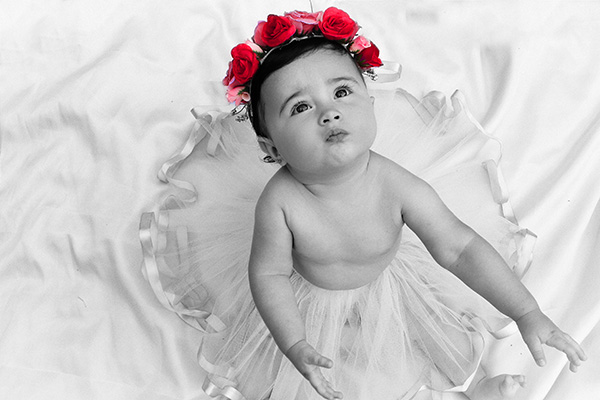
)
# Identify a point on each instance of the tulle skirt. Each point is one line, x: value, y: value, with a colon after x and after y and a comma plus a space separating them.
x: 414, y: 327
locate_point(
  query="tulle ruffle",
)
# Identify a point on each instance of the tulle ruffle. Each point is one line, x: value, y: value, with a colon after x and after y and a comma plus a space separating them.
x: 415, y: 327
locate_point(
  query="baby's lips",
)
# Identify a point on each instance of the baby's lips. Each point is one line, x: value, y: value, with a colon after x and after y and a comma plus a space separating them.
x: 334, y: 133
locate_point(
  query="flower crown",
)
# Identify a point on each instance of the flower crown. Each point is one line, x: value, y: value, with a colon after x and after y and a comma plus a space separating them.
x: 277, y: 31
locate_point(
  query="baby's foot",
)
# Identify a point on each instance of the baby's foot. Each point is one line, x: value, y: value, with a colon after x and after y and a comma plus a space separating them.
x: 498, y: 388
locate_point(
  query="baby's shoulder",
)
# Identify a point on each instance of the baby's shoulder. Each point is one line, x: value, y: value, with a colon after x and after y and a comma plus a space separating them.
x: 391, y: 173
x: 399, y: 182
x: 271, y: 205
x: 279, y: 188
x: 403, y: 185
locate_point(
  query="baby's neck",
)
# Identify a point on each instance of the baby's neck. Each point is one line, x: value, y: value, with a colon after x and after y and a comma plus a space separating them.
x: 336, y: 184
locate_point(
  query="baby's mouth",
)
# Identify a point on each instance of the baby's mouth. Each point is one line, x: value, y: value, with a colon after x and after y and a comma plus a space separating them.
x: 336, y: 135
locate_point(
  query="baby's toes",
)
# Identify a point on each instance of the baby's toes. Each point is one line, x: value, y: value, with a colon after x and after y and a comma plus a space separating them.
x: 511, y: 384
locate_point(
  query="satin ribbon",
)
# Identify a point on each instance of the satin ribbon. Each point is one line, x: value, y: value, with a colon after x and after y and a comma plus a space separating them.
x: 227, y: 392
x: 198, y: 319
x: 208, y: 123
x: 390, y: 71
x: 527, y: 239
x: 227, y: 385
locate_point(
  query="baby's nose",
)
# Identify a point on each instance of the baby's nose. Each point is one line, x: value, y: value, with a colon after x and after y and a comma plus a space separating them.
x: 329, y: 116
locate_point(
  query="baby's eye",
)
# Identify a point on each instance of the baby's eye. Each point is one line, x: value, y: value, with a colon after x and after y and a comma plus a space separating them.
x: 298, y: 108
x: 342, y: 92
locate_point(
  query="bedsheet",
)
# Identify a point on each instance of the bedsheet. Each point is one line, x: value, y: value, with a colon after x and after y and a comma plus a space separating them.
x: 95, y: 95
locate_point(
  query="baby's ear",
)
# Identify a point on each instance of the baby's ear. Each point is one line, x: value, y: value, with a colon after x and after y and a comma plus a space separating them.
x: 268, y: 147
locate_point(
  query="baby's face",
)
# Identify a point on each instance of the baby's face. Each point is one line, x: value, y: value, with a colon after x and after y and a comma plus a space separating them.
x: 318, y: 112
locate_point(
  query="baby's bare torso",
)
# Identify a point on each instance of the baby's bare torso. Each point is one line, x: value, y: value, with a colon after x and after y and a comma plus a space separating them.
x: 345, y: 243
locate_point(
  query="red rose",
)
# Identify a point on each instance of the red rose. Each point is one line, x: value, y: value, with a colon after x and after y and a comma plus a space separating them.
x: 275, y: 31
x: 337, y: 25
x: 244, y: 64
x: 368, y: 57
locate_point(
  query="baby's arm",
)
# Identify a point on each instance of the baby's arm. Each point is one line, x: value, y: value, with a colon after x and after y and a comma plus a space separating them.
x: 269, y: 274
x: 463, y: 252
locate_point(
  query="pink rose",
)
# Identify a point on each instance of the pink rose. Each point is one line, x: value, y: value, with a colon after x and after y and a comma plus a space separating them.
x: 255, y: 48
x: 238, y: 95
x: 244, y: 63
x: 368, y: 58
x: 304, y: 21
x: 258, y: 34
x: 359, y: 44
x: 274, y: 31
x: 229, y: 78
x: 337, y: 25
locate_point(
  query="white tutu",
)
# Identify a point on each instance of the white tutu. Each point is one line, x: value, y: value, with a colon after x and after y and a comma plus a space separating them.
x: 416, y: 326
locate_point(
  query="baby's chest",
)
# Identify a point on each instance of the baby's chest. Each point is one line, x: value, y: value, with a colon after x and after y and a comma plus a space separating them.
x: 355, y: 234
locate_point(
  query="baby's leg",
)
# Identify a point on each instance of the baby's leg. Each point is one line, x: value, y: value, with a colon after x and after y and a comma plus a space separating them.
x: 453, y: 349
x: 464, y: 347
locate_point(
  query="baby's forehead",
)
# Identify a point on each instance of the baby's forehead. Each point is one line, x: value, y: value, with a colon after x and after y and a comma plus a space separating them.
x: 337, y: 58
x: 319, y: 66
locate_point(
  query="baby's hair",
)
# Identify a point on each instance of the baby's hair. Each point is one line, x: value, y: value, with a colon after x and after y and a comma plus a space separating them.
x: 279, y: 58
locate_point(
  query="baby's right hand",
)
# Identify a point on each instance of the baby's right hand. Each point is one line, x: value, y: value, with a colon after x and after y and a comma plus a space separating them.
x: 309, y: 363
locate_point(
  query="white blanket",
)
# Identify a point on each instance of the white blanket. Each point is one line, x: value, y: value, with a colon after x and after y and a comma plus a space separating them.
x: 94, y: 96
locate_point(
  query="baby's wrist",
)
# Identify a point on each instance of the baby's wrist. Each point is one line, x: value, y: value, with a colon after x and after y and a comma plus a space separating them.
x: 528, y: 313
x: 291, y: 349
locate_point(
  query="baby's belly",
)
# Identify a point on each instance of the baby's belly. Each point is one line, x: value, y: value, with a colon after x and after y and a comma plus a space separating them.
x: 342, y: 275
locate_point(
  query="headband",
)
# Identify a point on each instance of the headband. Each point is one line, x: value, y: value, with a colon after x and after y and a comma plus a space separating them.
x: 277, y: 31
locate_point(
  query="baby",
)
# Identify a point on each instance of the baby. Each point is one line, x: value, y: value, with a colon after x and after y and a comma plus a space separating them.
x: 328, y: 269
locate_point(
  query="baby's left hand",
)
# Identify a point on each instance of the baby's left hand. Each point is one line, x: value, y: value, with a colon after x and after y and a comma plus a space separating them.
x: 537, y: 329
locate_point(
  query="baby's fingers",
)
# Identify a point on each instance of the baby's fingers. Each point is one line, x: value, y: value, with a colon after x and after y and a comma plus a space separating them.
x: 323, y: 387
x: 329, y: 393
x: 319, y: 360
x: 535, y: 347
x: 570, y: 347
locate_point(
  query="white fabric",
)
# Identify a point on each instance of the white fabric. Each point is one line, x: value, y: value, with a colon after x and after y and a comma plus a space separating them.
x: 94, y: 96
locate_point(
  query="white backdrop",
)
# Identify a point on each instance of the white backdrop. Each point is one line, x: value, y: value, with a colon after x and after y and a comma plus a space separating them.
x: 95, y: 95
